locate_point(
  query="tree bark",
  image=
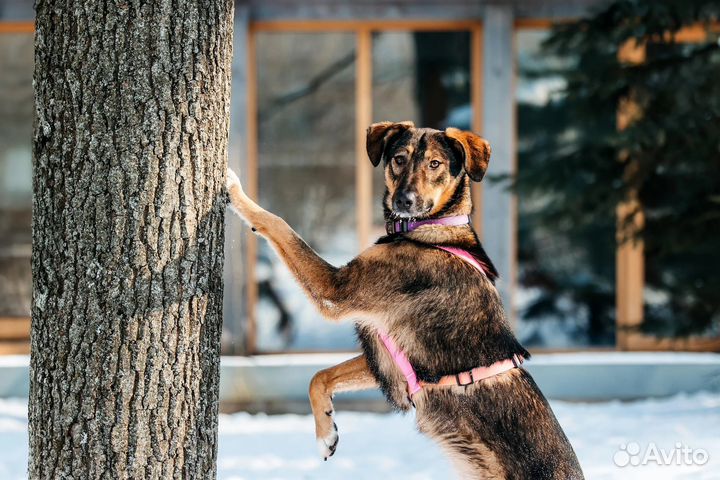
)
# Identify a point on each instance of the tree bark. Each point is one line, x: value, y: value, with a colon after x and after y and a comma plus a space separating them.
x: 132, y: 117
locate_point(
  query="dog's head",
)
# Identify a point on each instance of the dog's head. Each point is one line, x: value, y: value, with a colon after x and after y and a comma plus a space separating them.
x: 424, y: 168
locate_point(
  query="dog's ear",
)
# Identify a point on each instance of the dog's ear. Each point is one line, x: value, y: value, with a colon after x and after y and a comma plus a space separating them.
x: 472, y: 149
x: 379, y: 135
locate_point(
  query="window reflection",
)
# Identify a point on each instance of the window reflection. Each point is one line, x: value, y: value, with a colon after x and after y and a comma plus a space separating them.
x: 16, y: 111
x: 680, y: 294
x: 566, y: 274
x: 306, y: 173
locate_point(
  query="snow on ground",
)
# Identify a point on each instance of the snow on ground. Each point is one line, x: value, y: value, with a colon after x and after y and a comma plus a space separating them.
x: 386, y: 445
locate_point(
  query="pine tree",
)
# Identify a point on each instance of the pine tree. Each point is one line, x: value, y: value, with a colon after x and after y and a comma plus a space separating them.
x: 583, y: 165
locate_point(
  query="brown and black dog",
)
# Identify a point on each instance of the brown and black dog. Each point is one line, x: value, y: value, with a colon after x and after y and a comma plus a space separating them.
x: 440, y: 310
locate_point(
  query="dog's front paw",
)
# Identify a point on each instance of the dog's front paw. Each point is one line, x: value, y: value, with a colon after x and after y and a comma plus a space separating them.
x: 327, y: 443
x: 239, y: 202
x: 231, y: 180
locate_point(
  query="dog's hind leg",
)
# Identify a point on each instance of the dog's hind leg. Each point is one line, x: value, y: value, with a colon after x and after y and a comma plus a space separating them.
x: 348, y: 376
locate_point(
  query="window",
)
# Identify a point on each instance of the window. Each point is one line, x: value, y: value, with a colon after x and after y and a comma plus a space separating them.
x: 423, y: 77
x: 566, y: 273
x: 16, y: 120
x: 306, y: 175
x: 680, y: 291
x: 317, y: 91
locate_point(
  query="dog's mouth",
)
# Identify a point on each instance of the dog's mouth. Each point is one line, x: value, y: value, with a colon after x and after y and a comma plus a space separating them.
x: 412, y: 214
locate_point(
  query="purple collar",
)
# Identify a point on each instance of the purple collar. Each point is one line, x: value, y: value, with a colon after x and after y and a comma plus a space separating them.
x: 404, y: 226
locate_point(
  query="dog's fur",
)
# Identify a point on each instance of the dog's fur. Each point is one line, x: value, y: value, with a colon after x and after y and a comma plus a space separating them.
x: 441, y: 311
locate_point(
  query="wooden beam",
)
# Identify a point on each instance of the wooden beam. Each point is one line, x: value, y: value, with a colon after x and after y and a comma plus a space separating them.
x: 630, y: 275
x: 693, y: 34
x: 650, y: 343
x: 363, y: 118
x: 476, y: 78
x: 14, y: 328
x: 499, y: 207
x: 630, y: 255
x: 359, y: 25
x: 235, y: 271
x: 535, y: 23
x: 419, y: 10
x: 17, y: 27
x: 251, y: 186
x: 17, y: 347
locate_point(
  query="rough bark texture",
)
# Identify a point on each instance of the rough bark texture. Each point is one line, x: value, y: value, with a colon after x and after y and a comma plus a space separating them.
x: 132, y: 114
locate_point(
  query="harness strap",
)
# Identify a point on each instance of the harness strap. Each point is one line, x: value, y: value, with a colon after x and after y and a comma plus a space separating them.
x: 465, y: 255
x: 460, y: 379
x: 479, y: 373
x: 402, y: 362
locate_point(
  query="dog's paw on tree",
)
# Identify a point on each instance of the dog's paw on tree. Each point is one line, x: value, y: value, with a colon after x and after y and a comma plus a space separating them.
x: 241, y: 204
x: 235, y: 191
x: 232, y: 180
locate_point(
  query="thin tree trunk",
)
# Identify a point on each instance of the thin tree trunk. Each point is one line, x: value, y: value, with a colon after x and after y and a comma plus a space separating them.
x: 132, y: 115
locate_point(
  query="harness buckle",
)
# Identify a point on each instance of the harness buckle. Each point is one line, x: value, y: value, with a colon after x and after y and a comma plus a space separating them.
x: 517, y: 360
x: 460, y: 383
x: 401, y: 226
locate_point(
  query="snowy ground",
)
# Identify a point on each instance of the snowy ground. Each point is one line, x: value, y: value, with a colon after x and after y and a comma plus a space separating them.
x: 377, y: 445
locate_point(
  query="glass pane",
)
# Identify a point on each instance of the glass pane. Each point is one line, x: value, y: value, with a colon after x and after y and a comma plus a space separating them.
x: 566, y: 291
x: 16, y: 119
x: 423, y: 77
x: 306, y: 103
x: 681, y: 241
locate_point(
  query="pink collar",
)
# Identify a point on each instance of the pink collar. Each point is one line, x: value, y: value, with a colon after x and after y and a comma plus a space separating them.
x: 460, y: 379
x: 404, y: 225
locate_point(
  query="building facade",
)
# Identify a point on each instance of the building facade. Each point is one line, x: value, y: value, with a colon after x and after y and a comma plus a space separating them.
x: 308, y: 78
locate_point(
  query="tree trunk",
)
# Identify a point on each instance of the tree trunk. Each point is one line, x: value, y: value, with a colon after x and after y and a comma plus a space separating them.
x: 132, y: 115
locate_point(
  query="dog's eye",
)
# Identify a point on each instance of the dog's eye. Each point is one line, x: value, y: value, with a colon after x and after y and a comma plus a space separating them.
x: 399, y: 160
x: 434, y: 164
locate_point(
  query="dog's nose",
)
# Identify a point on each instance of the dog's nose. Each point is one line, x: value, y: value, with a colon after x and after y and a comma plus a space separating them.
x: 404, y: 201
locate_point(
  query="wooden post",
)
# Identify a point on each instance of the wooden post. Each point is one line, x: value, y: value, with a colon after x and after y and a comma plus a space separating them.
x: 250, y: 179
x: 476, y: 73
x: 235, y: 275
x: 630, y: 256
x: 363, y: 118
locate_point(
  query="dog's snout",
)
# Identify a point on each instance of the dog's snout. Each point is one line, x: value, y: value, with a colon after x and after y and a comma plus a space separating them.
x: 405, y: 201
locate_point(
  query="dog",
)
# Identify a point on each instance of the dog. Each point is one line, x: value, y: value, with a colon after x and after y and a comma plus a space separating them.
x: 433, y: 332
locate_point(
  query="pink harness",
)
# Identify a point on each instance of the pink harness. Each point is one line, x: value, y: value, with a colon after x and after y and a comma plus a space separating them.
x: 459, y: 379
